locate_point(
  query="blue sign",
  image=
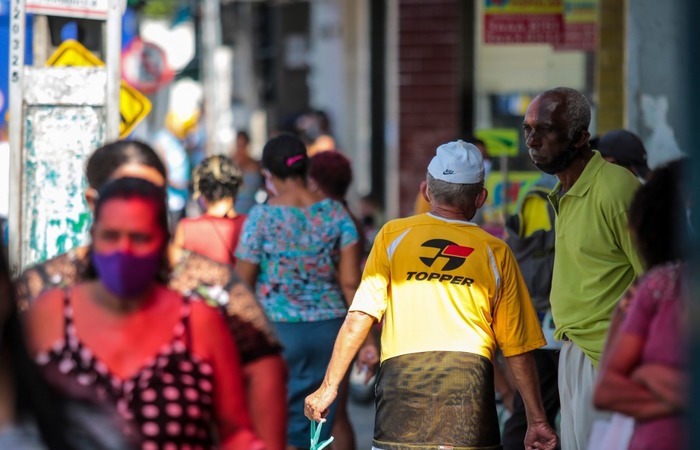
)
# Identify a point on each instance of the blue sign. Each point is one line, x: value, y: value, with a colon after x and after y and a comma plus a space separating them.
x: 5, y: 54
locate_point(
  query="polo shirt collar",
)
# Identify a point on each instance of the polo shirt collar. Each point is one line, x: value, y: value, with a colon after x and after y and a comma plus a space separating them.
x: 585, y: 181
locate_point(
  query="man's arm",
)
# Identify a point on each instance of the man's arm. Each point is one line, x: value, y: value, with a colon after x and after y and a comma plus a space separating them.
x: 503, y: 384
x: 351, y: 336
x: 539, y: 434
x: 266, y: 397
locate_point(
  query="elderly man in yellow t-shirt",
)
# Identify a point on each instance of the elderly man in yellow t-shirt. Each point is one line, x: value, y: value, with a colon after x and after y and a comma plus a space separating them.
x: 449, y: 293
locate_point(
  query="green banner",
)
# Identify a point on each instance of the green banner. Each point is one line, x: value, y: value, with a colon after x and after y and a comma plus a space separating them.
x: 500, y: 141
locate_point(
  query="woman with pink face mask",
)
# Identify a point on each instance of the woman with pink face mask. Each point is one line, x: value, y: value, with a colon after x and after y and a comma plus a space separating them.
x: 168, y: 365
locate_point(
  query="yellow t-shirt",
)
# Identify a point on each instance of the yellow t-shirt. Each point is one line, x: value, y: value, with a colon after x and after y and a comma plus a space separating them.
x: 535, y: 215
x: 444, y: 285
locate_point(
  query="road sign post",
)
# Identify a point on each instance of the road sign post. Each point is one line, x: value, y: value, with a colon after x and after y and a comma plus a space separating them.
x: 14, y: 221
x: 133, y: 105
x: 58, y: 116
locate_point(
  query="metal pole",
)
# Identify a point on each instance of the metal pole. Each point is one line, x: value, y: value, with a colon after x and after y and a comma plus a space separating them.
x: 211, y: 39
x: 113, y: 60
x: 504, y: 186
x: 16, y: 76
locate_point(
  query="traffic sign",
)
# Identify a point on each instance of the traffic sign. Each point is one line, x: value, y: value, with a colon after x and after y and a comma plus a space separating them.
x: 80, y: 9
x: 144, y: 65
x: 133, y: 105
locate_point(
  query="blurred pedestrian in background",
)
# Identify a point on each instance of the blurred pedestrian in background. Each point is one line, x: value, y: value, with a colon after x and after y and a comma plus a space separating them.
x: 193, y: 275
x: 625, y: 149
x: 167, y: 364
x: 252, y: 178
x: 644, y: 373
x: 215, y: 233
x: 169, y: 143
x: 299, y: 251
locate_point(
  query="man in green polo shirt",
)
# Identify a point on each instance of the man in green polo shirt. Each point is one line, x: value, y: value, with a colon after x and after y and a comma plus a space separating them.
x: 595, y: 260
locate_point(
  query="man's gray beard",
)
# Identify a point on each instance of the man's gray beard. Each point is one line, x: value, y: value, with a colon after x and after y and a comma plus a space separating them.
x: 561, y: 163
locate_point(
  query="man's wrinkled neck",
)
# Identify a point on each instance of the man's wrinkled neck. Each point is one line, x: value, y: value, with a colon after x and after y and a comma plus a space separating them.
x: 452, y: 213
x: 571, y: 174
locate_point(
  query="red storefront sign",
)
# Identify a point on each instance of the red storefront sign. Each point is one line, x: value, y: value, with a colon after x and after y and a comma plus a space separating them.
x: 523, y: 28
x: 579, y: 36
x: 564, y: 24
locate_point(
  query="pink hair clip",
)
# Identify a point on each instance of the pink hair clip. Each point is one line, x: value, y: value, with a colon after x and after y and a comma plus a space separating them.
x: 294, y: 159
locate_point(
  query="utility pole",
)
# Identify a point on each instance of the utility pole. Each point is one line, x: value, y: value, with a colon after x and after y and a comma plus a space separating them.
x: 211, y: 40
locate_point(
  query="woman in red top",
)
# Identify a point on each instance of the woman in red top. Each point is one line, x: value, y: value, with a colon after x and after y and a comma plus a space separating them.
x: 215, y: 233
x: 167, y: 365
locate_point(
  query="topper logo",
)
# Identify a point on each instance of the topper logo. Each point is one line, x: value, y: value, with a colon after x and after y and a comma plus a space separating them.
x: 448, y: 172
x: 453, y: 253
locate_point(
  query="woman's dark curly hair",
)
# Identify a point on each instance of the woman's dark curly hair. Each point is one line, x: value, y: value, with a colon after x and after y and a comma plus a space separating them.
x: 217, y: 177
x: 332, y: 172
x: 657, y: 216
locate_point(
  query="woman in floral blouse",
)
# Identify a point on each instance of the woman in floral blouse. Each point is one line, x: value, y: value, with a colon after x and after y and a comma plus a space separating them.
x: 300, y: 253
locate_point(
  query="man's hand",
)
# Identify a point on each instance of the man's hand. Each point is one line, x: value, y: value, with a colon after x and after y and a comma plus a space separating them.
x: 540, y: 436
x: 317, y: 404
x: 350, y: 337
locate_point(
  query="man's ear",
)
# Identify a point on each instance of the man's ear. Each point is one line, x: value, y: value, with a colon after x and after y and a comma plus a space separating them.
x: 91, y: 198
x: 581, y: 138
x: 481, y: 198
x: 424, y: 191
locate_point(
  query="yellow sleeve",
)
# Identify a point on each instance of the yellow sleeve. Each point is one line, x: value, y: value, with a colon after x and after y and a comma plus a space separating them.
x: 515, y: 323
x: 371, y: 297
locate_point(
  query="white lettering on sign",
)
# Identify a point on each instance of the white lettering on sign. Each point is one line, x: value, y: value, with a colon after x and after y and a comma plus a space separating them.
x: 15, y: 41
x: 85, y: 9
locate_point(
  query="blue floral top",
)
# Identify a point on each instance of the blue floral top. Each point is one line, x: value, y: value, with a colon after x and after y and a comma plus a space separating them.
x: 298, y: 250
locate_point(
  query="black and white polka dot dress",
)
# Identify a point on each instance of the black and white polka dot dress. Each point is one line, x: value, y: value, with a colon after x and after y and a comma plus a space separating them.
x: 167, y: 405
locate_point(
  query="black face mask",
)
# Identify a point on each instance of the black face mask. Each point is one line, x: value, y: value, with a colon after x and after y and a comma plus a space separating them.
x: 560, y: 163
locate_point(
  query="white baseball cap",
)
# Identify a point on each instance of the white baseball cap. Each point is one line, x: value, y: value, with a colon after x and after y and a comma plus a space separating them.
x: 457, y: 162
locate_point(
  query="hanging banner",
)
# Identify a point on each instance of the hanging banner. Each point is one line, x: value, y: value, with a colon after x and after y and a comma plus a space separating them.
x: 523, y: 21
x: 500, y: 141
x: 580, y: 26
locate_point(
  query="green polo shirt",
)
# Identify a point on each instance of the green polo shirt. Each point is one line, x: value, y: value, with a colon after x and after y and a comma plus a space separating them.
x: 595, y: 261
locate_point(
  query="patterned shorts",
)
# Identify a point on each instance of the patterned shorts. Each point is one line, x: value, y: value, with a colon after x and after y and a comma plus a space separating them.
x: 436, y: 400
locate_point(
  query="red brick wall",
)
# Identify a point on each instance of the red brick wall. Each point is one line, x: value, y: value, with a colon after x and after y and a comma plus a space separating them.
x: 428, y: 92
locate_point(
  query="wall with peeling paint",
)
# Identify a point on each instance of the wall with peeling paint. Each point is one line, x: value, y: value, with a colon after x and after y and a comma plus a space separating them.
x: 656, y: 68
